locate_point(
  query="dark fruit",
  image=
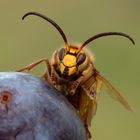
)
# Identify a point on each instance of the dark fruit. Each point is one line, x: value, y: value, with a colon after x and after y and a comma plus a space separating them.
x: 32, y: 110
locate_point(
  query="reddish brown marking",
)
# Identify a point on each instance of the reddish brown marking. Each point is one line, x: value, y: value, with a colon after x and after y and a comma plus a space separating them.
x: 5, y: 97
x: 95, y: 73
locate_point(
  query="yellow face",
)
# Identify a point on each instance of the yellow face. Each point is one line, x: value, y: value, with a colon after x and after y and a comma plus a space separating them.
x: 68, y: 65
x: 69, y: 61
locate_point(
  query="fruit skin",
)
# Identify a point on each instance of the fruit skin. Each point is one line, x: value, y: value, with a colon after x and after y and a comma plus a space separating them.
x: 36, y: 111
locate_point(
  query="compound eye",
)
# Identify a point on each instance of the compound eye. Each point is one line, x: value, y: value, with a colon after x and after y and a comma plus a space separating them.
x: 81, y: 58
x: 61, y: 54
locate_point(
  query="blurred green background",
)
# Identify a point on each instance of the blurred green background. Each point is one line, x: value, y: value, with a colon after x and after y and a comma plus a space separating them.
x: 116, y: 58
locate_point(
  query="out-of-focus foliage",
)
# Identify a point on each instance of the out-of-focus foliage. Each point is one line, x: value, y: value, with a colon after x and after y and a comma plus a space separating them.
x: 22, y: 42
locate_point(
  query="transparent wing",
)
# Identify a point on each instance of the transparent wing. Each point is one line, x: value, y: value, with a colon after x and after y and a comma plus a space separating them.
x: 92, y: 107
x: 87, y: 108
x: 116, y: 94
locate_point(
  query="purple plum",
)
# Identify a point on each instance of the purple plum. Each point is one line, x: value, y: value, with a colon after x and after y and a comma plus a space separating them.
x: 30, y: 109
